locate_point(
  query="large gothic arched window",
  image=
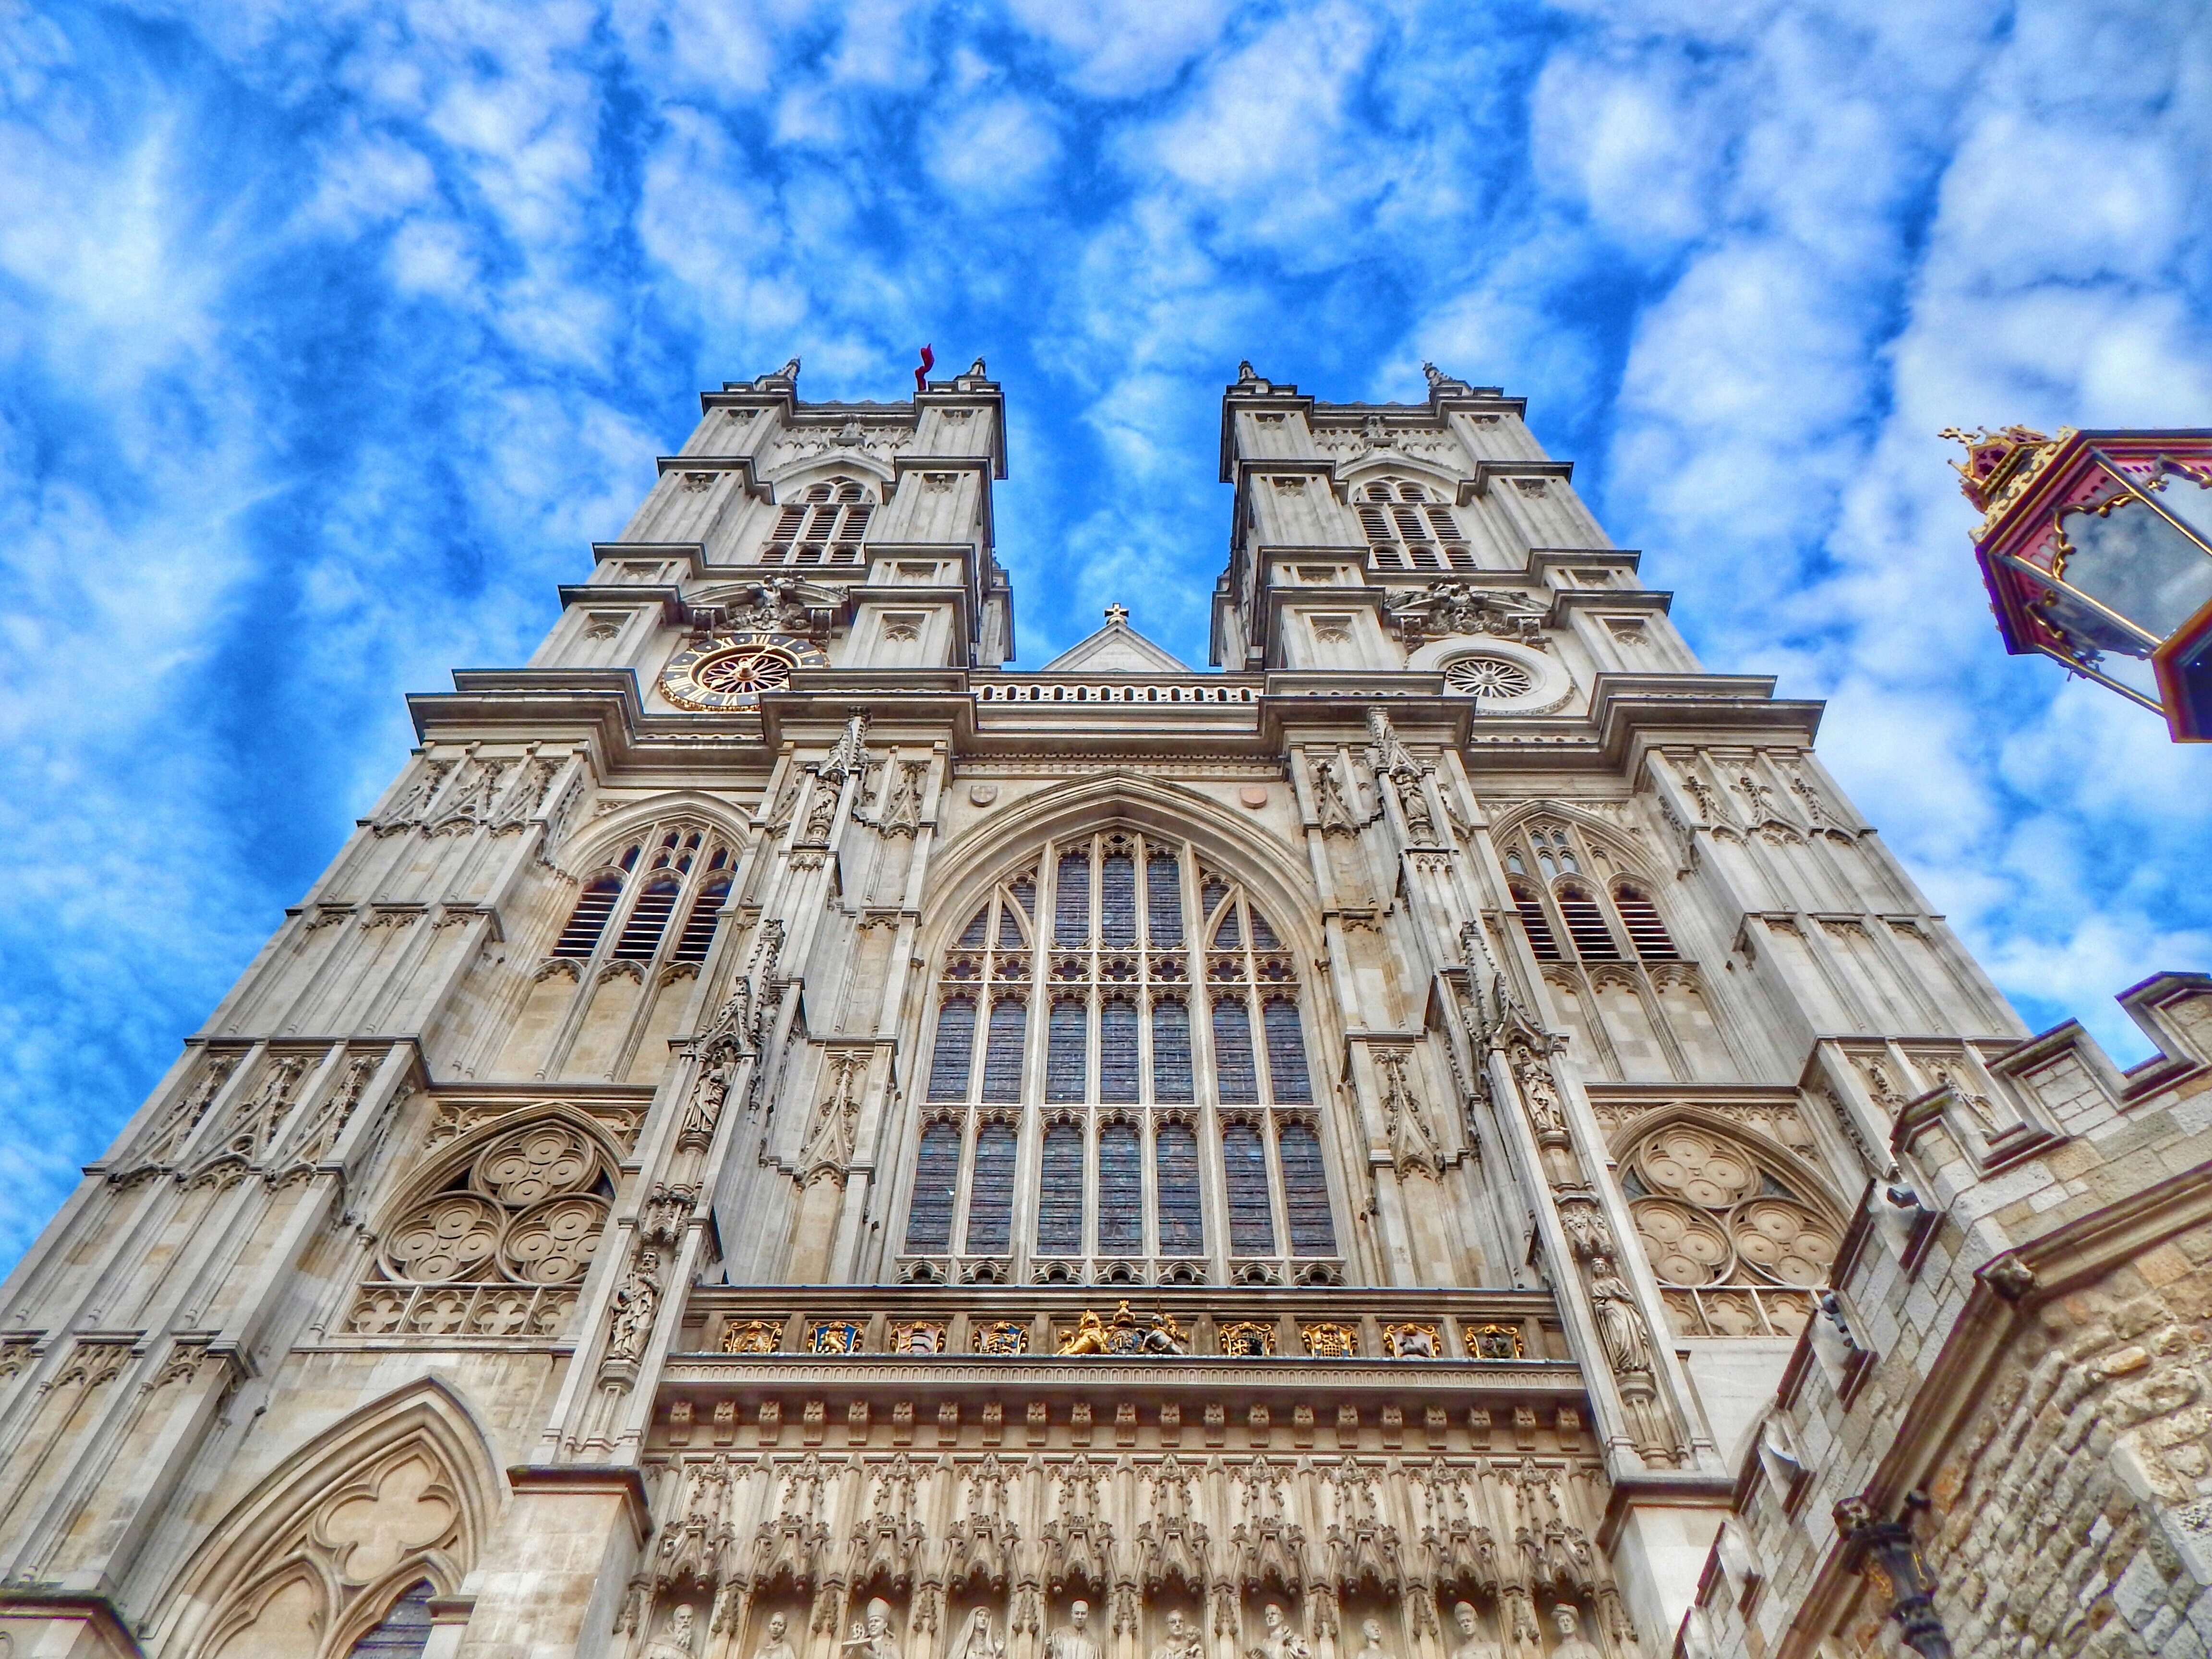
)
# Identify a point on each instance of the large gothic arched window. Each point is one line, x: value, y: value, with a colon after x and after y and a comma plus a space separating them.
x: 1117, y: 1085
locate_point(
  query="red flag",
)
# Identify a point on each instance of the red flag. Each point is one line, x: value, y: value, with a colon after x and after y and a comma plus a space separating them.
x: 921, y: 374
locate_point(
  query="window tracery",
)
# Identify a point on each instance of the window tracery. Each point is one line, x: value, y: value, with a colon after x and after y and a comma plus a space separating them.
x: 825, y: 526
x: 1408, y: 528
x: 1122, y: 994
x: 500, y: 1244
x: 672, y: 869
x: 1738, y: 1245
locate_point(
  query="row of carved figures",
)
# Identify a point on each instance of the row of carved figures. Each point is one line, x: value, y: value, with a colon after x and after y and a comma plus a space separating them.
x: 732, y: 1528
x: 1510, y: 1628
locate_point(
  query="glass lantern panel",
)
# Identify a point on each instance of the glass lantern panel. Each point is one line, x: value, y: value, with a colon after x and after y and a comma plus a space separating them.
x: 2132, y: 559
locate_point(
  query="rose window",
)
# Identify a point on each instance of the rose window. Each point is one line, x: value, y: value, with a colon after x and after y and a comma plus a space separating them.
x: 746, y: 672
x: 1489, y: 676
x: 501, y: 1249
x: 1739, y: 1250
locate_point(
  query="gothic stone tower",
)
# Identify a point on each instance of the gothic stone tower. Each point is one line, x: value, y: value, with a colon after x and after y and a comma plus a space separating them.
x: 780, y: 1137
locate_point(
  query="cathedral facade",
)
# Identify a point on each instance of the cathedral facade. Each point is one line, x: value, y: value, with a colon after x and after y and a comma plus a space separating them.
x: 780, y: 1137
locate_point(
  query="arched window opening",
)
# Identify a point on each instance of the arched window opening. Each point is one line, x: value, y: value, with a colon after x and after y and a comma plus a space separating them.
x: 1641, y: 917
x: 991, y: 1198
x: 640, y: 935
x: 1305, y: 1191
x: 1121, y: 1191
x: 1060, y: 1192
x: 1251, y: 1206
x: 1536, y: 925
x: 403, y: 1633
x: 825, y: 526
x: 1405, y: 530
x: 936, y: 1183
x: 589, y: 919
x: 1586, y: 925
x: 955, y: 1047
x: 699, y: 925
x: 1109, y: 945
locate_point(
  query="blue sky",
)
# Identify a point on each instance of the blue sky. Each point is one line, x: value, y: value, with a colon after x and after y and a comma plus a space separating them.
x: 330, y: 335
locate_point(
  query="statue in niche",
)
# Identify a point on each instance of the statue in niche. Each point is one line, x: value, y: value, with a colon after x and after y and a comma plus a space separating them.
x: 1620, y: 1326
x: 635, y: 1301
x: 1571, y: 1644
x: 872, y: 1636
x: 979, y: 1641
x: 1181, y: 1641
x: 675, y: 1640
x: 1073, y: 1639
x: 1370, y: 1629
x: 1277, y: 1639
x: 1471, y: 1642
x: 776, y: 1647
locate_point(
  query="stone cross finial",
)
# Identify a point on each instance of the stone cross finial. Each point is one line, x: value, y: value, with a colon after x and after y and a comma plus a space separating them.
x: 1117, y: 615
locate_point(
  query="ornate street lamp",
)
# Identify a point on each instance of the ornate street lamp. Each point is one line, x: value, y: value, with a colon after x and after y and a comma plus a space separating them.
x: 2097, y: 549
x: 1889, y: 1557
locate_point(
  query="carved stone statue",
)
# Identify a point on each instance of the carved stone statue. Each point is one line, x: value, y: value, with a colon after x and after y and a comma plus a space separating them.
x: 1330, y: 805
x: 635, y: 1301
x: 1277, y: 1639
x: 872, y: 1638
x: 1572, y: 1643
x: 1180, y: 1642
x: 1370, y: 1629
x: 1420, y: 822
x: 1620, y: 1326
x: 1073, y: 1640
x: 1471, y: 1643
x: 675, y: 1640
x: 774, y: 1647
x: 978, y: 1640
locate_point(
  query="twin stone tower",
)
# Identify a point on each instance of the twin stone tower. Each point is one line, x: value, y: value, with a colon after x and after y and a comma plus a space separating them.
x: 779, y: 1136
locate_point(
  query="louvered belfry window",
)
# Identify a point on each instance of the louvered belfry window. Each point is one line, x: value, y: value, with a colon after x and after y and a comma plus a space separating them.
x: 627, y: 906
x: 825, y: 526
x: 1123, y: 993
x: 1410, y: 526
x: 1555, y: 879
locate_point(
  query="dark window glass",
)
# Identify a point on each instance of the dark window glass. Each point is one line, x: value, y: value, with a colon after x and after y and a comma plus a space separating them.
x: 405, y: 1632
x: 641, y: 934
x: 1182, y: 1221
x: 1244, y: 1173
x: 956, y: 1047
x: 1263, y: 936
x: 991, y: 1197
x: 1211, y: 892
x: 699, y: 926
x: 1228, y: 936
x: 971, y: 937
x: 936, y: 1174
x: 1235, y: 1079
x: 1071, y: 912
x: 1025, y: 892
x: 1117, y: 900
x: 1117, y: 1051
x: 1060, y: 1192
x: 1121, y: 1191
x: 1064, y: 1054
x: 596, y: 904
x: 1002, y: 1052
x: 1170, y: 1051
x: 1164, y: 900
x: 1305, y: 1190
x: 1010, y: 929
x: 1286, y: 1050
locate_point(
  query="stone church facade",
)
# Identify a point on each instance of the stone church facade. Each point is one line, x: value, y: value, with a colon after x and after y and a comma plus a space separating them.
x: 781, y: 1137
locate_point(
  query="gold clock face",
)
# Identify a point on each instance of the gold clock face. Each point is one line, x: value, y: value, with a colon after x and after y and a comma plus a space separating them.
x: 731, y: 671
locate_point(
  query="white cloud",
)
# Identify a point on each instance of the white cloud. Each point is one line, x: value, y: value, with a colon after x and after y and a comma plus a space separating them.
x: 1120, y: 48
x: 999, y: 151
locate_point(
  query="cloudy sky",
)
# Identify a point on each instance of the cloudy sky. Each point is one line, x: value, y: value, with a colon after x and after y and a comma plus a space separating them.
x: 331, y: 334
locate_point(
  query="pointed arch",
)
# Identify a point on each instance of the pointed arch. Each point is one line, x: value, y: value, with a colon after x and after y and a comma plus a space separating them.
x: 402, y: 1491
x: 600, y: 844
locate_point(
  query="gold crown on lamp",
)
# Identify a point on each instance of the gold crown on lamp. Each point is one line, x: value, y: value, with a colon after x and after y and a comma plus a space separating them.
x: 1995, y: 460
